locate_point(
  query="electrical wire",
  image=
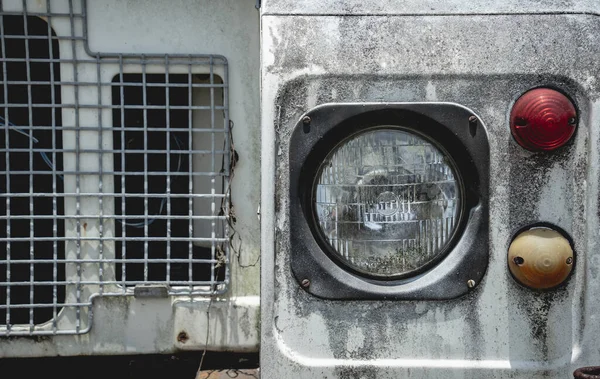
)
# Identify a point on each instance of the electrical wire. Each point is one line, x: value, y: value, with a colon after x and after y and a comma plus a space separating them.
x: 43, y: 154
x: 49, y: 163
x: 149, y: 222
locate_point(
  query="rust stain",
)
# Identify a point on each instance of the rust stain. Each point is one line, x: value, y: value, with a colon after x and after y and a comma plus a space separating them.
x: 182, y: 337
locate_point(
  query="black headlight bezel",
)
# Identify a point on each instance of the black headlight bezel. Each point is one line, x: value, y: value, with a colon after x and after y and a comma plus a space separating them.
x: 452, y: 128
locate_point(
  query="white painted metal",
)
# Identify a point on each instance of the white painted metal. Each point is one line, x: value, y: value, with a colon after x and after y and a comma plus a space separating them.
x: 481, y: 55
x: 127, y: 325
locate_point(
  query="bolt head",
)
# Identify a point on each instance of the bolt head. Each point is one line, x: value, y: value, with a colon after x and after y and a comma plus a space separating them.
x: 569, y: 260
x: 305, y: 283
x: 470, y: 283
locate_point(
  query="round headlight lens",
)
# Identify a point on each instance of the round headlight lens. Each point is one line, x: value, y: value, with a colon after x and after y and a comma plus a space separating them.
x: 387, y: 201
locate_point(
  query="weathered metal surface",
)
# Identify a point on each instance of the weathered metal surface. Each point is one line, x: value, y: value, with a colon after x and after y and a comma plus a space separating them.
x: 484, y: 62
x: 231, y: 319
x: 228, y: 374
x: 152, y: 324
x: 425, y: 7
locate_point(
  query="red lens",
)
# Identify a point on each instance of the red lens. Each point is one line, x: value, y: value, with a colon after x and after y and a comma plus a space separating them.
x: 543, y: 119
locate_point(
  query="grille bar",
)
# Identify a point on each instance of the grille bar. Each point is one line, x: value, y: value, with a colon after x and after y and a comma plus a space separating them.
x: 116, y: 172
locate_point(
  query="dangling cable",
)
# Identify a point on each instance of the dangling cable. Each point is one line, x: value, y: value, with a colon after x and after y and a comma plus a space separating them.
x: 49, y: 163
x: 149, y: 222
x: 43, y: 154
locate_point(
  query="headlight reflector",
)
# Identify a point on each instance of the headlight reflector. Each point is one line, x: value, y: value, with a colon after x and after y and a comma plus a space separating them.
x: 387, y: 201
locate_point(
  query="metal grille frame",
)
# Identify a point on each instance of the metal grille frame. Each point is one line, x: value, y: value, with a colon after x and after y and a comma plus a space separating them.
x: 84, y: 119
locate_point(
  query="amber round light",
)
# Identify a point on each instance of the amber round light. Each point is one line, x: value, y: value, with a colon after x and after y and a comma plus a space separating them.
x: 543, y: 119
x: 540, y: 258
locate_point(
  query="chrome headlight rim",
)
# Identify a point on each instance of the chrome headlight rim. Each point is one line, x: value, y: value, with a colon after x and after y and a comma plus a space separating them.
x: 438, y: 256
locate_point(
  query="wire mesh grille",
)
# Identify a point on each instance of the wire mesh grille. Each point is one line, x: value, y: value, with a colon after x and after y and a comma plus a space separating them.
x: 115, y: 172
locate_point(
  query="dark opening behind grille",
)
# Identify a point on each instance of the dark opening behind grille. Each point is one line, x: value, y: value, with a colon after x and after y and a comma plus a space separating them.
x: 149, y: 104
x: 23, y: 169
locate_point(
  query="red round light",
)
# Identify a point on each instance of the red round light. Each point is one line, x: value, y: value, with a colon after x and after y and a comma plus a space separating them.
x: 543, y: 119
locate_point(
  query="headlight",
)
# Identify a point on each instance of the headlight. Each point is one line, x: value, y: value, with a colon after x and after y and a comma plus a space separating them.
x: 387, y: 201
